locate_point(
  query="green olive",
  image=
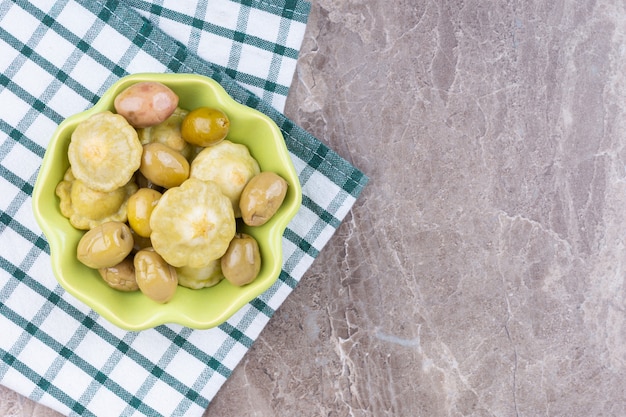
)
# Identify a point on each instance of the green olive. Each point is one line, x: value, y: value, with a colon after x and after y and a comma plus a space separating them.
x: 140, y: 206
x: 121, y: 276
x: 105, y: 245
x: 205, y: 126
x: 163, y: 165
x: 146, y: 103
x: 242, y: 261
x: 155, y: 277
x: 262, y: 197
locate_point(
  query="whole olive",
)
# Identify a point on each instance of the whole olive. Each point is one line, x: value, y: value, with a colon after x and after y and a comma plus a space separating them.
x: 139, y: 208
x: 121, y: 276
x: 242, y: 261
x: 105, y: 245
x: 155, y: 277
x: 262, y: 197
x: 146, y: 103
x: 163, y: 165
x: 205, y: 126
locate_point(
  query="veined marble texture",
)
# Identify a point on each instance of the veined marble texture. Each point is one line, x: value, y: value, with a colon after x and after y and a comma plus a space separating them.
x: 482, y: 271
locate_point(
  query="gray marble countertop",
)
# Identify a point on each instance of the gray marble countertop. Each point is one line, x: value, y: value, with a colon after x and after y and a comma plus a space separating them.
x: 481, y: 271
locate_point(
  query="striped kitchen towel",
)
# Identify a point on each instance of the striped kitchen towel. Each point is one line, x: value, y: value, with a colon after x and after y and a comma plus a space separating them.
x: 57, y: 58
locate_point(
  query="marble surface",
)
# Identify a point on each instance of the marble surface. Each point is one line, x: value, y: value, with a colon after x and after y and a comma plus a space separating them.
x: 482, y: 271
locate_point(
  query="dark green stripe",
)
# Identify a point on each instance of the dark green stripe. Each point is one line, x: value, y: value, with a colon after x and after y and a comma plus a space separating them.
x: 46, y: 65
x: 23, y: 186
x: 75, y: 40
x: 214, y: 29
x: 104, y: 334
x: 44, y: 384
x: 236, y: 334
x: 287, y: 279
x: 296, y: 10
x: 194, y: 351
x: 39, y: 241
x: 28, y: 98
x: 322, y: 213
x: 355, y: 182
x: 262, y: 307
x: 175, y: 66
x: 85, y: 366
x: 301, y: 243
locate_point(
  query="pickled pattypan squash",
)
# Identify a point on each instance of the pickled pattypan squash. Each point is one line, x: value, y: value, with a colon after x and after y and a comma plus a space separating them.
x: 104, y: 151
x: 87, y: 208
x: 193, y: 224
x: 228, y: 164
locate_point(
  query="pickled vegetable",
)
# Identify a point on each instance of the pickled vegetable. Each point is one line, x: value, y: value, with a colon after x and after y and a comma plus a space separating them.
x: 105, y: 246
x: 87, y: 208
x: 146, y: 103
x: 196, y: 278
x: 158, y: 189
x: 242, y: 261
x: 155, y: 277
x: 140, y: 207
x: 104, y: 151
x: 168, y: 133
x: 193, y: 224
x: 205, y: 126
x: 121, y: 276
x: 228, y: 164
x: 262, y: 197
x: 163, y: 166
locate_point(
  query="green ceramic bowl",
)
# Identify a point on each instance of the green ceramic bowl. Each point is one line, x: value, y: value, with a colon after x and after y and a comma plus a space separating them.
x: 200, y: 309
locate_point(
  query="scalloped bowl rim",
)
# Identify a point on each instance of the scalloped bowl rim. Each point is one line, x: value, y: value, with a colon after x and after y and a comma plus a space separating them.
x: 188, y: 306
